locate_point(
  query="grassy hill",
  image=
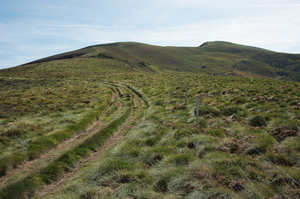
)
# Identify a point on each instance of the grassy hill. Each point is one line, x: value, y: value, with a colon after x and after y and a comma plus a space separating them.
x: 113, y: 122
x: 215, y: 58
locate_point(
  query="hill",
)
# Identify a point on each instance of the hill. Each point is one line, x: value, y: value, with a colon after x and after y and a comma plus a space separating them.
x: 108, y: 122
x: 215, y: 58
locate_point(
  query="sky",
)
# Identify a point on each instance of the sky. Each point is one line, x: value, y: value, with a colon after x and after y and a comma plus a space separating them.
x: 34, y: 29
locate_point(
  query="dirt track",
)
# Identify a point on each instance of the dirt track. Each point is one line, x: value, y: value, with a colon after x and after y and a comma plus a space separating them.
x: 49, y: 189
x: 30, y: 166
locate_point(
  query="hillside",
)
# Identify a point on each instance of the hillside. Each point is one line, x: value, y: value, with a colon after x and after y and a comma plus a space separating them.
x: 215, y: 58
x: 120, y: 121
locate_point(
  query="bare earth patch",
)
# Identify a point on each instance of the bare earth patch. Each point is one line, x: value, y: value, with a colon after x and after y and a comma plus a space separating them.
x: 281, y: 133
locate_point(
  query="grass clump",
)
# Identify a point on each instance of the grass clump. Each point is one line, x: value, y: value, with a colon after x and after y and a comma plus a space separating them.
x: 261, y: 143
x: 257, y: 120
x: 231, y: 110
x: 113, y: 165
x: 186, y: 132
x: 181, y: 159
x: 40, y: 146
x: 217, y: 133
x: 166, y: 156
x: 205, y: 110
x: 152, y: 156
x: 53, y: 171
x: 280, y: 159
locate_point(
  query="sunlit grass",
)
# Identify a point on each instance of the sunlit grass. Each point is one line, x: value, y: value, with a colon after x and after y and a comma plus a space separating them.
x: 165, y: 155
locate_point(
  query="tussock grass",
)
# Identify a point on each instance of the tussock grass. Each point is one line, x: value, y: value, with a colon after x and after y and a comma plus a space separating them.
x: 166, y: 156
x: 46, y: 142
x: 54, y: 170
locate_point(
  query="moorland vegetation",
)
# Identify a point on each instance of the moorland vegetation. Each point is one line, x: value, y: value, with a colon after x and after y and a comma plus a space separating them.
x: 90, y: 126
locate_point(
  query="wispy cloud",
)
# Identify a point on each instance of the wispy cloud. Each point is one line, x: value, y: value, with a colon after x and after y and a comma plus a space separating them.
x: 88, y: 26
x: 273, y: 5
x: 52, y: 7
x: 39, y: 29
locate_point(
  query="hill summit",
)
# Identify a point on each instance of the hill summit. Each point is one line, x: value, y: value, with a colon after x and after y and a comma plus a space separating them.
x: 214, y: 58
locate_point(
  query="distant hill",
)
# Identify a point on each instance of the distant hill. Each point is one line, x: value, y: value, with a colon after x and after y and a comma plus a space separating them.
x: 121, y: 120
x: 215, y: 58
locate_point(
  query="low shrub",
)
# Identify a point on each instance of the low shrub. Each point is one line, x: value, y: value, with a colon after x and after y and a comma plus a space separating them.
x: 291, y: 124
x: 108, y: 168
x: 251, y: 104
x: 152, y: 140
x: 5, y: 163
x: 257, y: 120
x: 181, y: 159
x: 5, y: 140
x: 158, y: 103
x: 161, y: 185
x: 202, y: 123
x: 14, y: 133
x: 239, y: 100
x: 151, y: 156
x: 231, y: 110
x: 280, y: 159
x: 181, y: 185
x: 263, y: 142
x: 186, y: 132
x: 216, y: 132
x: 51, y: 173
x: 205, y: 110
x: 39, y: 147
x: 22, y: 189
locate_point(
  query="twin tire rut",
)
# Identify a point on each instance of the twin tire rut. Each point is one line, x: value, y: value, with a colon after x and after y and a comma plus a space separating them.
x: 30, y: 166
x: 111, y: 142
x: 34, y: 165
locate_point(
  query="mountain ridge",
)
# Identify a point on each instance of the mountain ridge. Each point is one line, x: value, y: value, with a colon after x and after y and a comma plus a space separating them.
x: 214, y: 58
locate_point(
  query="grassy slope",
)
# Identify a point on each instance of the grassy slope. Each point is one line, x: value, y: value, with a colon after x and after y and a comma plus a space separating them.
x: 219, y: 58
x: 165, y: 156
x: 68, y: 68
x: 37, y: 115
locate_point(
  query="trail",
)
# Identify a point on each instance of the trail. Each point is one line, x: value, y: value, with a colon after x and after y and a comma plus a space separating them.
x: 29, y: 167
x: 49, y: 189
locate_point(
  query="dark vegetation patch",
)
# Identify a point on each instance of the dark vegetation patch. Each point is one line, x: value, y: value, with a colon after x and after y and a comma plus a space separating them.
x: 165, y: 155
x: 281, y: 133
x: 257, y: 120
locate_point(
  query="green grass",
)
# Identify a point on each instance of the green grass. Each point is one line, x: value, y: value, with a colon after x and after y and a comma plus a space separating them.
x: 36, y: 146
x: 63, y: 164
x: 164, y: 155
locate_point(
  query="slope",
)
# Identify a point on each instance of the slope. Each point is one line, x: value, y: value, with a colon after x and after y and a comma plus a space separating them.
x: 246, y: 144
x: 216, y: 58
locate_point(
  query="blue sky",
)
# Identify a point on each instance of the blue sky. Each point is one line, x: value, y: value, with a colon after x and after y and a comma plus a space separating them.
x: 34, y: 29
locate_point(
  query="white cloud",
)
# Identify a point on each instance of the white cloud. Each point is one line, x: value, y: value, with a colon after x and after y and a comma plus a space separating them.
x: 274, y: 25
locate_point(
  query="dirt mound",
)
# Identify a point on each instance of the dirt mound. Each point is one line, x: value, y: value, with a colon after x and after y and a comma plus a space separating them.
x: 281, y: 133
